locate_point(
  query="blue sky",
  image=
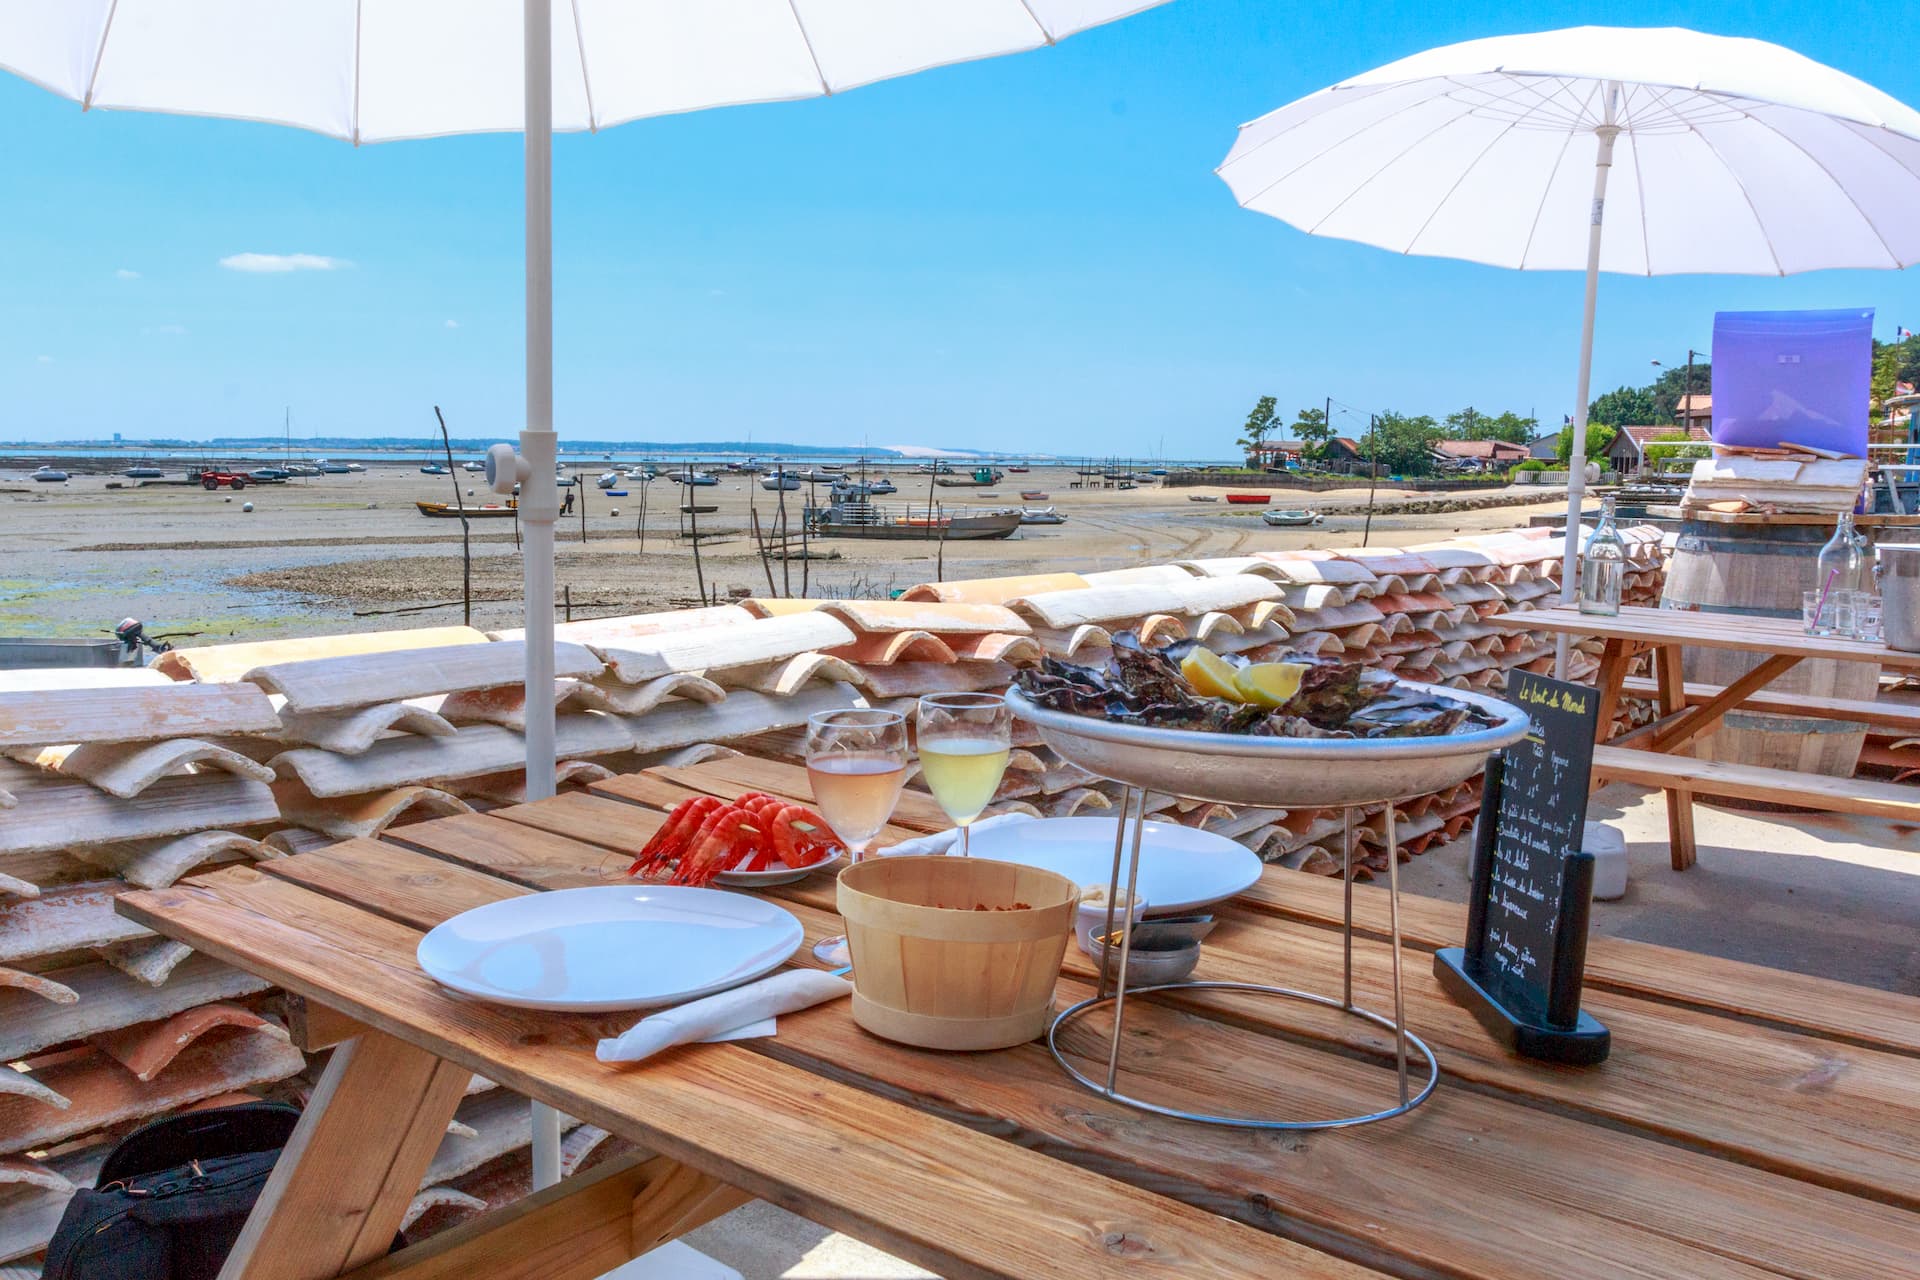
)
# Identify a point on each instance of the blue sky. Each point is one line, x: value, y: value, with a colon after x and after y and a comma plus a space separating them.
x: 1029, y: 253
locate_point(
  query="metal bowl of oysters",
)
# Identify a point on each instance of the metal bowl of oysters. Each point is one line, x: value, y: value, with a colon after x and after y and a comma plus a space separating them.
x: 1347, y: 735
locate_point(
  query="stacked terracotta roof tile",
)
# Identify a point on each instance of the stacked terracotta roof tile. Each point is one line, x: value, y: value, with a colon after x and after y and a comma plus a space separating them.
x: 255, y: 750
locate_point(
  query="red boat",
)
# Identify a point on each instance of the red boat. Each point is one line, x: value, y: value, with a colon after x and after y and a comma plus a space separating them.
x: 1249, y: 499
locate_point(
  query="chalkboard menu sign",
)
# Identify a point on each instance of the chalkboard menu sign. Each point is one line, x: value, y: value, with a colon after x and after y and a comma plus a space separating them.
x: 1522, y: 966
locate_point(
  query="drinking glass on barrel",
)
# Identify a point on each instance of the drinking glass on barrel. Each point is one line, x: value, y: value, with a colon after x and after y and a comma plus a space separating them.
x: 965, y: 740
x: 857, y: 763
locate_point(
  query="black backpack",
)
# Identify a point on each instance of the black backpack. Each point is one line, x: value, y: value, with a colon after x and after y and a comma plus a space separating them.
x: 171, y: 1197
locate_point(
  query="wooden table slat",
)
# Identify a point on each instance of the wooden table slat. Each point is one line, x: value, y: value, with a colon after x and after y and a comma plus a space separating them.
x: 1709, y: 630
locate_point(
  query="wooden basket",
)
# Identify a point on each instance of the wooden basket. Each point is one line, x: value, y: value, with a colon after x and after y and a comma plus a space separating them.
x: 931, y: 970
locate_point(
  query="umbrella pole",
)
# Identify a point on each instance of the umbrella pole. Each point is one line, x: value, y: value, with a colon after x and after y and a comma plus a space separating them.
x: 539, y: 496
x: 1607, y: 131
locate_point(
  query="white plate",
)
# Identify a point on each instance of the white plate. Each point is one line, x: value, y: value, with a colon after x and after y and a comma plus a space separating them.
x: 609, y: 947
x: 779, y: 873
x: 1181, y: 868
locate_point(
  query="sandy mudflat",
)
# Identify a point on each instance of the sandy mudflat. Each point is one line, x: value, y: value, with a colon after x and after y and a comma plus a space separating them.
x: 322, y: 554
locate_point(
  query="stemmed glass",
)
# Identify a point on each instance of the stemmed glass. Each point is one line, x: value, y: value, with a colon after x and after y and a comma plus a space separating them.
x: 857, y: 763
x: 965, y: 739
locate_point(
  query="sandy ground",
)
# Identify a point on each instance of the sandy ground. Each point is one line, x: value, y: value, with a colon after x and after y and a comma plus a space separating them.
x: 338, y: 553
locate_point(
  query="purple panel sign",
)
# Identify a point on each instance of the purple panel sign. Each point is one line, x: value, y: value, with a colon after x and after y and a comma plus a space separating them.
x: 1792, y: 377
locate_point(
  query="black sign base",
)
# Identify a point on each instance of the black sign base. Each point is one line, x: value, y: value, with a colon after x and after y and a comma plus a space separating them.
x: 1582, y: 1046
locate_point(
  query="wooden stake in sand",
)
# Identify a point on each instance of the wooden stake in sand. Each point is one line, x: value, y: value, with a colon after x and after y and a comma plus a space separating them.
x: 466, y: 529
x: 693, y: 525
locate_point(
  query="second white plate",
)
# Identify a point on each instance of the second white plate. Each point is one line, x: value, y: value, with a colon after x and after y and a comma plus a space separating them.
x: 1181, y: 868
x: 604, y: 948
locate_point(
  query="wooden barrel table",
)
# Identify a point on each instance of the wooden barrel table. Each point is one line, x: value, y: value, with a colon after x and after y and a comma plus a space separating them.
x: 1759, y: 567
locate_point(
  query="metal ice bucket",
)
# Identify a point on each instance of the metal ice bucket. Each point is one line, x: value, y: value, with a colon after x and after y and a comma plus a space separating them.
x: 1900, y: 595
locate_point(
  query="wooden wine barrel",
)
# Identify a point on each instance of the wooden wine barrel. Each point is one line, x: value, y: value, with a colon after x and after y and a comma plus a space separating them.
x: 1761, y: 569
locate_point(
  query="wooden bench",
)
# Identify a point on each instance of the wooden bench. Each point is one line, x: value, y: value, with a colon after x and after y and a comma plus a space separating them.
x: 1682, y: 776
x: 1901, y: 716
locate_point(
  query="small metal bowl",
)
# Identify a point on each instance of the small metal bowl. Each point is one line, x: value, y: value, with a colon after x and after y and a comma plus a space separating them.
x: 1149, y: 967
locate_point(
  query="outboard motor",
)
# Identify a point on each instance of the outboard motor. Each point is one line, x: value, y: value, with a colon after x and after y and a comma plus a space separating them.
x: 132, y: 634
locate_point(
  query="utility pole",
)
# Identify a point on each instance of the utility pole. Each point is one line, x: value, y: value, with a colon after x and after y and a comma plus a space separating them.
x: 1373, y: 474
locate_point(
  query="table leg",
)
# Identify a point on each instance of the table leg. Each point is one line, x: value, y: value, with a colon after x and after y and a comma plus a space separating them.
x: 1613, y: 671
x: 345, y: 1178
x: 1673, y: 699
x: 1706, y: 717
x: 1393, y: 920
x: 1346, y: 932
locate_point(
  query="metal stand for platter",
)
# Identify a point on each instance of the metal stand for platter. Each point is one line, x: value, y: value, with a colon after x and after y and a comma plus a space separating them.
x: 1403, y: 1038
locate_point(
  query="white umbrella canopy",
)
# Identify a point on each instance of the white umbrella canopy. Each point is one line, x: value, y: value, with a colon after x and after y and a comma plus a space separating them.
x: 1691, y: 152
x: 384, y: 70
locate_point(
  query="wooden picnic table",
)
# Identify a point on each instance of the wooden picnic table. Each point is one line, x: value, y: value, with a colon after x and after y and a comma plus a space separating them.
x: 1689, y: 713
x: 1749, y: 1123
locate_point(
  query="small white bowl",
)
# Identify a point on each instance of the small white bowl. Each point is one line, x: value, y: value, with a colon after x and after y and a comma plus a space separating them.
x: 1091, y: 917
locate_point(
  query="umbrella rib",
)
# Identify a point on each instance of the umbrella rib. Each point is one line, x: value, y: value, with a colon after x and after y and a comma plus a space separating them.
x: 99, y: 53
x: 1742, y: 189
x: 793, y: 6
x: 1331, y: 146
x: 1464, y: 174
x: 1044, y: 33
x: 1640, y: 186
x: 1819, y: 164
x: 1546, y: 189
x: 359, y: 11
x: 586, y: 81
x: 1397, y: 156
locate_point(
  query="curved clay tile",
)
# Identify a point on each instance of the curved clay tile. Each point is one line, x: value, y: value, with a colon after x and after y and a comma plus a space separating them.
x: 368, y: 814
x: 1067, y: 642
x: 155, y: 864
x: 1161, y: 628
x: 1020, y: 760
x: 917, y: 679
x: 1068, y: 803
x: 292, y: 840
x: 351, y: 732
x: 127, y: 769
x: 510, y: 787
x: 638, y: 699
x: 21, y: 1172
x: 1013, y: 806
x: 883, y: 648
x: 18, y: 888
x: 18, y: 1084
x: 439, y: 1198
x: 152, y: 962
x: 996, y: 646
x: 148, y: 1047
x: 791, y: 675
x: 869, y: 616
x: 698, y: 753
x: 46, y: 988
x: 578, y: 1147
x: 1217, y: 624
x: 992, y: 590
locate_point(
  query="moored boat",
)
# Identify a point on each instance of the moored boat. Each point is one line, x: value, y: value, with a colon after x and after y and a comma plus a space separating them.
x: 1249, y: 499
x: 1291, y: 519
x: 143, y: 473
x: 779, y: 481
x: 447, y: 511
x: 1034, y: 495
x: 1041, y: 515
x: 48, y: 475
x: 1202, y: 497
x: 864, y: 520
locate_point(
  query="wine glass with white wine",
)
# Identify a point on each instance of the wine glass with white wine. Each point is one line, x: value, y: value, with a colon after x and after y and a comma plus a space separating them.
x: 857, y: 763
x: 965, y: 740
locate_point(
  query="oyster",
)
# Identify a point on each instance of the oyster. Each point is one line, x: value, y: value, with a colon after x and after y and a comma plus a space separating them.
x: 1335, y: 699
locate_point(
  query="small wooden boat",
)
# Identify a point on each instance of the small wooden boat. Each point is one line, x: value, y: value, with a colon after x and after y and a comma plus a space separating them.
x: 1249, y: 499
x: 447, y: 511
x: 143, y: 473
x: 1291, y: 519
x: 1033, y: 495
x: 1019, y: 471
x: 616, y: 493
x: 1202, y: 497
x: 433, y: 469
x: 698, y: 508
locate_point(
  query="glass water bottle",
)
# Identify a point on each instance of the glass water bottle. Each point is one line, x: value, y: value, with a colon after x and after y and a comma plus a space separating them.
x: 1840, y: 579
x: 1603, y: 566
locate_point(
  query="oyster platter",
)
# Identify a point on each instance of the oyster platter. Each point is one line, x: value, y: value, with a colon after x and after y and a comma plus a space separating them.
x: 1301, y: 731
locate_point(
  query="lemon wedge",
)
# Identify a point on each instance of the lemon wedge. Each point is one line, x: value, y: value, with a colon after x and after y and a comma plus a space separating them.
x: 1269, y: 684
x: 1210, y: 675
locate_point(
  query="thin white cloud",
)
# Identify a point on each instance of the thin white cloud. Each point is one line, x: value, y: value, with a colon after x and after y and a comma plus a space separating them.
x: 126, y: 273
x: 453, y: 324
x: 44, y: 359
x: 277, y: 263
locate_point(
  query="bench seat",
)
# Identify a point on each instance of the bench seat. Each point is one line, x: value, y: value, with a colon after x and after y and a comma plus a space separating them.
x: 1902, y: 716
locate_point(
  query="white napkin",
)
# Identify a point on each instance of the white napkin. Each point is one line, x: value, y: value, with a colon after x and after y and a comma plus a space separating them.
x: 728, y: 1012
x: 941, y: 841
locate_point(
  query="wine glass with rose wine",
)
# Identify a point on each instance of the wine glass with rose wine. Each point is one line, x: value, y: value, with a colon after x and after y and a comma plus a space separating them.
x: 965, y: 740
x: 857, y: 763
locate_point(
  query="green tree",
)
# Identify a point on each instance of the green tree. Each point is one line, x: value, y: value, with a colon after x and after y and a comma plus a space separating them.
x: 1471, y: 424
x: 1260, y: 424
x: 1894, y: 363
x: 1624, y: 407
x: 1670, y: 386
x: 1402, y: 445
x: 1311, y: 428
x: 1599, y: 439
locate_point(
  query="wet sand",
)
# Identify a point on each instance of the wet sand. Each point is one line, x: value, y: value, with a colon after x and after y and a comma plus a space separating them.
x: 334, y: 553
